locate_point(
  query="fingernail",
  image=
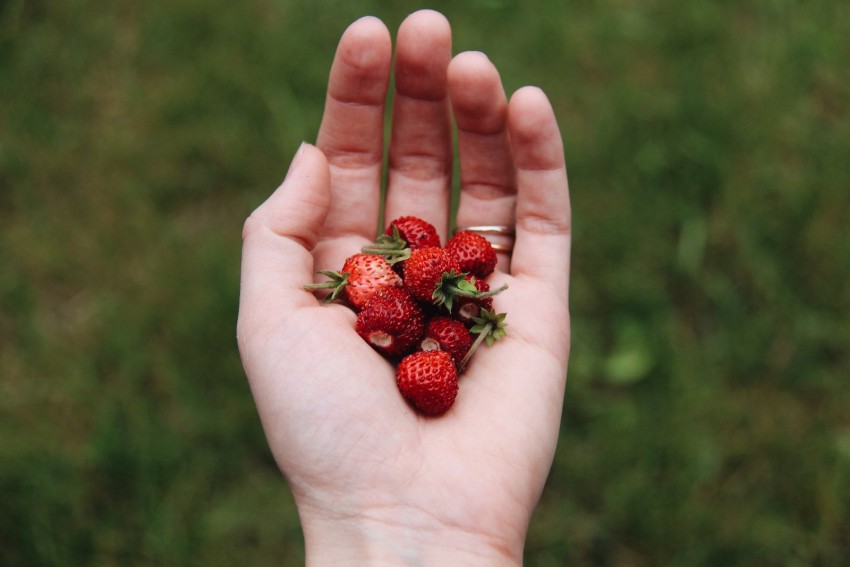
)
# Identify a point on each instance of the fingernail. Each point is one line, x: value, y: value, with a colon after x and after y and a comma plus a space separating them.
x: 295, y: 160
x: 299, y: 153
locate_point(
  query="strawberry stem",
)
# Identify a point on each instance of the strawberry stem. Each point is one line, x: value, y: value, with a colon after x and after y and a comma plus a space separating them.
x: 337, y: 282
x: 453, y: 284
x: 460, y: 292
x: 392, y: 247
x: 472, y: 349
x: 391, y: 255
x: 490, y: 326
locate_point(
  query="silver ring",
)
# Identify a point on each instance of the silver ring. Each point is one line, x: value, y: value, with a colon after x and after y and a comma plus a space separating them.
x: 492, y: 229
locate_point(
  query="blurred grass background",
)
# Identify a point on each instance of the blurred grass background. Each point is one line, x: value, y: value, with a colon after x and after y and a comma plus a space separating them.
x: 707, y: 419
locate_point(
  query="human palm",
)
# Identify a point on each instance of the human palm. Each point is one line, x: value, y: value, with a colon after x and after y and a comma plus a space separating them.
x: 358, y: 458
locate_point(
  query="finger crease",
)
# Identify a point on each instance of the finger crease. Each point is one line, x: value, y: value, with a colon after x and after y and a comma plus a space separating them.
x: 487, y: 191
x: 420, y: 166
x: 351, y: 158
x: 543, y: 225
x: 377, y: 104
x: 440, y: 99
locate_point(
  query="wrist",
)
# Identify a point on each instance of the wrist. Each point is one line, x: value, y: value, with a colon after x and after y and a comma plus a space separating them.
x: 402, y: 536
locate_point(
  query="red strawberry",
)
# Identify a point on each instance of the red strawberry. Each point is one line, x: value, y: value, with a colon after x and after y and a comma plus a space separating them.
x: 467, y: 308
x: 361, y: 276
x: 431, y: 276
x: 428, y: 380
x: 447, y: 334
x: 473, y: 252
x: 391, y: 321
x: 401, y: 237
x: 416, y: 232
x: 424, y: 270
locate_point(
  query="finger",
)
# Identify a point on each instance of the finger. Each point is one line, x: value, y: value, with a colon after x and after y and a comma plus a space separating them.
x: 352, y: 129
x: 420, y: 155
x: 487, y: 178
x: 542, y: 248
x: 278, y: 238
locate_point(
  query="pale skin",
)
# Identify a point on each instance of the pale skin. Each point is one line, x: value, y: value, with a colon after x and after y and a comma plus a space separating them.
x: 374, y: 482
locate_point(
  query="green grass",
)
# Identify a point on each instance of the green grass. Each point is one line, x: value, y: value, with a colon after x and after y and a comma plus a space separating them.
x: 707, y: 419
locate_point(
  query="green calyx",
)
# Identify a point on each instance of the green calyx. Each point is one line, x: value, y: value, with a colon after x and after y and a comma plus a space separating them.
x: 392, y: 247
x: 453, y: 284
x: 337, y: 283
x: 489, y: 326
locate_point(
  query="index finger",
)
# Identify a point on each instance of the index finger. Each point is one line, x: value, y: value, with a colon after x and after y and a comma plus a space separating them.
x: 352, y: 131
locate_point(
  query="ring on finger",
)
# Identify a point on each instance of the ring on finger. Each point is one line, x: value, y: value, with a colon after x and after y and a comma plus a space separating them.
x: 504, y: 235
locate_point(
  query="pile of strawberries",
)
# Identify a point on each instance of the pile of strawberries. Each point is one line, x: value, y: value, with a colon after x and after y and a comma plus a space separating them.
x: 419, y: 304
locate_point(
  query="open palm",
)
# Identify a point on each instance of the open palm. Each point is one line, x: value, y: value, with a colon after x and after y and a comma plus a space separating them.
x: 369, y: 473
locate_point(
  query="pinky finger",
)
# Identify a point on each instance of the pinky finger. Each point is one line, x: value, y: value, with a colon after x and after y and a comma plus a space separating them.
x: 543, y: 229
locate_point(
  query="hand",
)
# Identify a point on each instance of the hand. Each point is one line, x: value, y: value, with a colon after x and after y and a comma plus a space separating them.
x: 373, y: 481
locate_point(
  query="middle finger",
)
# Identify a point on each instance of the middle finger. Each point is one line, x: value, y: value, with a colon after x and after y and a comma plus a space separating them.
x: 420, y: 154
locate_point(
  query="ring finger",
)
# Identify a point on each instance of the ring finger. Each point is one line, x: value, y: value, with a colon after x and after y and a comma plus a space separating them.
x: 487, y: 173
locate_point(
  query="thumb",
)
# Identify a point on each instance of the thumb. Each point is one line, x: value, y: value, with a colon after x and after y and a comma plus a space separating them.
x: 278, y: 238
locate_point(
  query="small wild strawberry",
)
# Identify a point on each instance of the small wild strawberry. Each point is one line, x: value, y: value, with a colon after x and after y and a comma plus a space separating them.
x: 466, y: 309
x: 431, y: 275
x: 473, y: 252
x: 402, y: 236
x: 391, y: 321
x: 424, y: 270
x: 428, y: 380
x: 416, y: 232
x: 450, y: 335
x: 361, y: 276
